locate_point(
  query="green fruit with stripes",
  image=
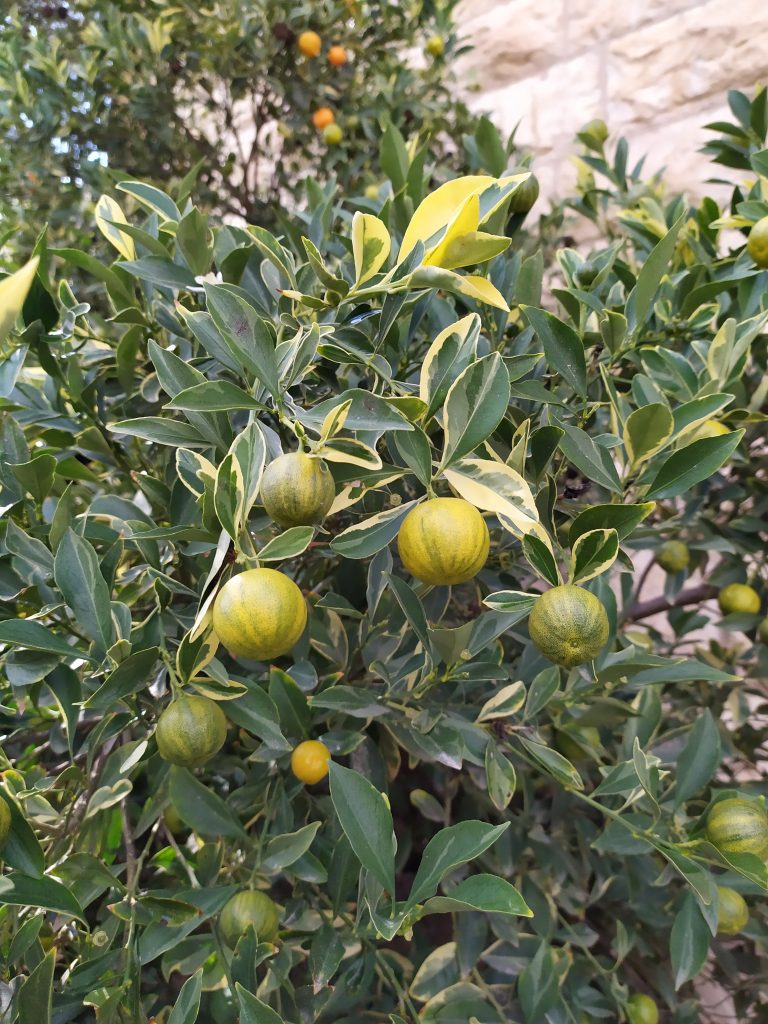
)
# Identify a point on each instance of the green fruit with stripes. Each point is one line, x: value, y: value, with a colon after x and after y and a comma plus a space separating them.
x: 673, y: 556
x: 297, y: 490
x: 739, y: 599
x: 569, y: 625
x: 732, y: 911
x: 444, y: 541
x: 5, y: 822
x: 259, y: 614
x: 245, y: 909
x: 738, y: 826
x: 757, y: 243
x: 641, y: 1009
x: 191, y: 730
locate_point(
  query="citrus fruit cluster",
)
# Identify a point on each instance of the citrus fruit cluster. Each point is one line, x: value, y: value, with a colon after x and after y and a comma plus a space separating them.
x: 310, y: 46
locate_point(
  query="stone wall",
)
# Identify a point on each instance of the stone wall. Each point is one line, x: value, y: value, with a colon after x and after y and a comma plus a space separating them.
x: 655, y: 72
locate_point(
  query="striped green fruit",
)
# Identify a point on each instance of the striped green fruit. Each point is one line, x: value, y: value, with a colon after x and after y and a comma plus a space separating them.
x: 732, y: 911
x: 5, y: 822
x: 738, y: 826
x: 673, y: 556
x: 443, y: 541
x: 191, y: 730
x: 249, y: 908
x: 259, y: 614
x: 739, y: 599
x: 569, y: 625
x: 297, y: 490
x: 757, y: 243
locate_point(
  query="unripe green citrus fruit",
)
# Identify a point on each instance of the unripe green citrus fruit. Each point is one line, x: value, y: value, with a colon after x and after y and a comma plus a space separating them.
x: 709, y: 428
x: 673, y: 556
x: 597, y: 128
x: 757, y: 243
x: 732, y: 911
x: 309, y: 761
x: 5, y: 822
x: 172, y: 820
x: 569, y: 625
x: 641, y: 1009
x: 740, y: 599
x: 435, y: 46
x: 371, y: 191
x: 738, y: 826
x: 249, y: 908
x: 525, y: 195
x: 259, y: 614
x: 444, y: 541
x: 762, y: 630
x: 333, y: 134
x: 191, y: 730
x: 297, y: 490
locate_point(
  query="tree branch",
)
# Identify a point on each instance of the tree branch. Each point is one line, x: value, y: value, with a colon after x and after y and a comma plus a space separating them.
x: 644, y: 609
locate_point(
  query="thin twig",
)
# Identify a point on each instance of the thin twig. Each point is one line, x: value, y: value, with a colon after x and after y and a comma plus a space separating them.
x: 644, y: 609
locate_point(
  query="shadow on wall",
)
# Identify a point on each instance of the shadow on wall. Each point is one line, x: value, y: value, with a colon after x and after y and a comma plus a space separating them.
x: 655, y: 72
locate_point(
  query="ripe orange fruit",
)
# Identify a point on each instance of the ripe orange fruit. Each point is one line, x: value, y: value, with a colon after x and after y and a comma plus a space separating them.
x: 190, y: 731
x: 310, y: 44
x: 337, y: 56
x: 333, y: 134
x: 259, y: 614
x: 322, y: 117
x: 443, y: 541
x: 309, y: 761
x: 757, y: 243
x: 249, y: 908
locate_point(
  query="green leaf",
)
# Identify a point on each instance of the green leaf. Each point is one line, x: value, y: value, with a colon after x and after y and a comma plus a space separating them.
x: 363, y: 539
x: 152, y: 198
x: 187, y: 1005
x: 161, y: 431
x: 255, y: 711
x: 541, y: 559
x: 449, y: 355
x: 646, y: 431
x: 78, y: 577
x: 325, y: 955
x: 537, y: 986
x: 213, y: 396
x: 689, y: 941
x: 36, y: 476
x: 13, y: 292
x: 474, y: 407
x: 20, y: 890
x: 130, y: 676
x: 36, y: 637
x: 450, y: 848
x: 34, y: 1001
x: 621, y: 518
x: 559, y: 767
x: 593, y: 460
x: 367, y: 822
x: 690, y: 465
x: 370, y: 246
x: 486, y: 893
x: 200, y: 808
x: 289, y: 544
x: 158, y: 271
x: 285, y: 850
x: 593, y: 553
x: 253, y: 1011
x: 563, y: 348
x: 22, y: 850
x: 246, y: 334
x: 649, y: 278
x: 699, y: 760
x: 500, y: 776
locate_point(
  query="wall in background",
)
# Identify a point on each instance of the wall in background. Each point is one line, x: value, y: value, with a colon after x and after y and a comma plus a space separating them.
x: 655, y: 72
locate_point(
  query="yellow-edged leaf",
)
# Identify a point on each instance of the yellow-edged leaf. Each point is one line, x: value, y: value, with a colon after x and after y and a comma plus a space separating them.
x: 441, y: 363
x: 13, y: 291
x: 438, y: 209
x: 475, y: 287
x: 335, y: 420
x: 467, y: 250
x: 351, y: 452
x: 464, y: 222
x: 108, y: 215
x: 370, y: 246
x: 495, y: 487
x: 354, y: 492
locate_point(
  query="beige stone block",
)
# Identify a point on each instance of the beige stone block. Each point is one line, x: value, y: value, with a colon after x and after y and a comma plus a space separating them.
x: 590, y: 21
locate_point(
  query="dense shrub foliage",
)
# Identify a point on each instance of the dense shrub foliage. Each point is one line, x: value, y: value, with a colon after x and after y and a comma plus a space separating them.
x: 498, y: 837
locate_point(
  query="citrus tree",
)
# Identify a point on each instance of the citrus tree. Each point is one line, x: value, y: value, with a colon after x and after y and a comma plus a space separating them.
x: 331, y: 691
x: 249, y: 98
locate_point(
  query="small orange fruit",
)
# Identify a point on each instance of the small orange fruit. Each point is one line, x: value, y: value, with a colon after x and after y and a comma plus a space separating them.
x: 309, y: 761
x: 309, y: 44
x: 322, y: 117
x: 337, y: 56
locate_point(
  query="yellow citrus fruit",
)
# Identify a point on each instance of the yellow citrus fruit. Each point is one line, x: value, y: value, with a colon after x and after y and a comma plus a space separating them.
x: 322, y: 117
x: 297, y: 490
x: 309, y: 44
x: 249, y: 908
x: 309, y: 761
x: 191, y: 730
x: 5, y: 822
x: 259, y: 614
x: 371, y: 191
x: 569, y: 625
x: 739, y: 599
x: 444, y: 541
x: 709, y: 428
x: 641, y: 1009
x: 738, y: 826
x: 525, y: 195
x: 757, y: 243
x: 673, y: 556
x: 435, y: 46
x: 732, y: 911
x: 337, y: 56
x: 333, y: 134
